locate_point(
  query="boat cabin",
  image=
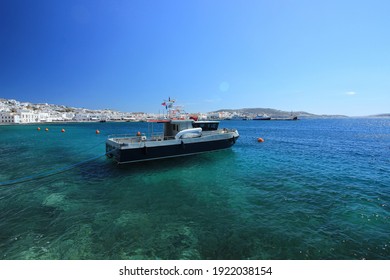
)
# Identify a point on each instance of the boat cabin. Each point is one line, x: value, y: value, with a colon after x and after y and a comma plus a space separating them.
x: 206, y: 125
x: 173, y: 127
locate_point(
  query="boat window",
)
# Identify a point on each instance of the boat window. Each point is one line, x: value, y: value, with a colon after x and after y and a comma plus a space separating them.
x: 207, y: 126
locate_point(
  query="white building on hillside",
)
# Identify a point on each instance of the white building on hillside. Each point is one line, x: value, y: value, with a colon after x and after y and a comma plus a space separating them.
x: 22, y: 116
x: 81, y: 117
x: 44, y: 117
x: 27, y: 116
x: 8, y: 117
x: 3, y: 107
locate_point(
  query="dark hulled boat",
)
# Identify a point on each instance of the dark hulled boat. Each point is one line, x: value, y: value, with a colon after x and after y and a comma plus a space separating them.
x: 180, y: 137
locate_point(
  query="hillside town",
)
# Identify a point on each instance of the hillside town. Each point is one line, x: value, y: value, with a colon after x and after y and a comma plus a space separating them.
x: 13, y: 111
x: 16, y: 112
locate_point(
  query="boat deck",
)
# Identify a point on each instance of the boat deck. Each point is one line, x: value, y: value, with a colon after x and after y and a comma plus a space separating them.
x: 131, y: 139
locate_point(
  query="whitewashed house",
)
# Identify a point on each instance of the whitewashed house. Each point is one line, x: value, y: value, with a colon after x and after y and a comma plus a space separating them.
x: 8, y: 117
x: 27, y: 116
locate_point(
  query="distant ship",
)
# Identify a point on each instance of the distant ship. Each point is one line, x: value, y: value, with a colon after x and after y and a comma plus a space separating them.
x: 292, y: 118
x: 181, y: 136
x: 263, y: 117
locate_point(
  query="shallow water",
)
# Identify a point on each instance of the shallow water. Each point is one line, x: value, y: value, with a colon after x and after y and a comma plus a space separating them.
x: 315, y: 189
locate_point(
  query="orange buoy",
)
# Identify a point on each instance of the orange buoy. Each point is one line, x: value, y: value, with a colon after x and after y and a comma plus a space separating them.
x: 260, y: 140
x: 97, y: 131
x: 138, y: 133
x: 62, y: 130
x: 38, y: 128
x: 46, y: 129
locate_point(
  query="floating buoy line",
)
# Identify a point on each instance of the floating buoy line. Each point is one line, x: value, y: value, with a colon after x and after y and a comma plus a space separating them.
x: 97, y: 131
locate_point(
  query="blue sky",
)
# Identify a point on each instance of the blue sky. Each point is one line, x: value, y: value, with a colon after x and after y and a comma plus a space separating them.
x: 324, y: 57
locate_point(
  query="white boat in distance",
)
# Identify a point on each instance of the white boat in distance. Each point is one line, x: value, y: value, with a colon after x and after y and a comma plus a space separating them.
x: 181, y: 136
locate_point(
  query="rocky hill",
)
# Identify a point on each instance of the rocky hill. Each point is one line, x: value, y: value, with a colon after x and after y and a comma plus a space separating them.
x: 277, y: 113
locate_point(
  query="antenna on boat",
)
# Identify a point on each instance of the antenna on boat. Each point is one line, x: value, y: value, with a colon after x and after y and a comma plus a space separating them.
x: 168, y: 104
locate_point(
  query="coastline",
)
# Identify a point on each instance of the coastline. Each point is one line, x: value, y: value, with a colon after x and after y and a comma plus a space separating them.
x: 141, y: 121
x: 68, y: 122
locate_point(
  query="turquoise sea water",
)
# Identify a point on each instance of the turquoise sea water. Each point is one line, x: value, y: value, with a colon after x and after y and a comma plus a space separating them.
x: 315, y: 189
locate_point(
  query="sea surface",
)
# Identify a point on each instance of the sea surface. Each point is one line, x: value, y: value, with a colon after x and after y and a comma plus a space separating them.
x: 314, y: 189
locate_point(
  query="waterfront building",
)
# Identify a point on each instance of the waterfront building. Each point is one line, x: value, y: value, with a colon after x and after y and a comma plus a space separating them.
x: 9, y: 117
x: 27, y: 116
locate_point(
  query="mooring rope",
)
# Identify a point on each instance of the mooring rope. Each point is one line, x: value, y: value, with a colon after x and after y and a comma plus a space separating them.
x: 51, y: 172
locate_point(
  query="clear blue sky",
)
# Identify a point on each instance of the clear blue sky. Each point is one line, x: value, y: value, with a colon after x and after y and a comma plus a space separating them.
x: 324, y: 57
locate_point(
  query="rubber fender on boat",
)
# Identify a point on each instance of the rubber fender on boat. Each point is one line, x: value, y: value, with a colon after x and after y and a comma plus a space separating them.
x: 190, y: 132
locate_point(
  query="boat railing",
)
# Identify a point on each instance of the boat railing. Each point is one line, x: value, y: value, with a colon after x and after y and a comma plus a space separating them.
x: 130, y: 138
x: 227, y: 130
x: 156, y: 138
x: 122, y: 136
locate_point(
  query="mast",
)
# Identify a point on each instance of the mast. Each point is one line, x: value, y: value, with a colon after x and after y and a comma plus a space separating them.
x: 172, y: 111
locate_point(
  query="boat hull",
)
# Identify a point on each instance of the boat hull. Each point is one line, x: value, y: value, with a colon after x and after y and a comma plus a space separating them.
x: 262, y: 119
x: 174, y: 148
